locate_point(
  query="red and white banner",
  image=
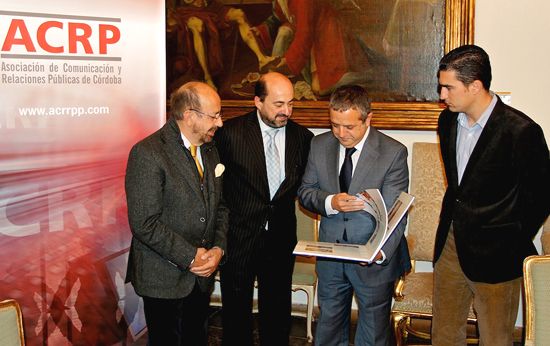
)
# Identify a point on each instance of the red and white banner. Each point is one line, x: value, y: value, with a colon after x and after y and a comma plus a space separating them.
x: 80, y: 83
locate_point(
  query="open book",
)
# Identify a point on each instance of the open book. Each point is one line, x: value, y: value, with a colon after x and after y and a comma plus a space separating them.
x: 385, y: 225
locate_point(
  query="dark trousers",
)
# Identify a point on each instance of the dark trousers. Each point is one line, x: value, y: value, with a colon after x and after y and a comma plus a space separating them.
x: 183, y: 321
x: 274, y: 276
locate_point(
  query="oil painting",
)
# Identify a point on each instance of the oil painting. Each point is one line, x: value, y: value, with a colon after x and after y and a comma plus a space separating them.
x: 392, y: 47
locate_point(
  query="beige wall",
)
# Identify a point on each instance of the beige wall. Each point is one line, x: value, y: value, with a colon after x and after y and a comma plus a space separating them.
x: 515, y: 34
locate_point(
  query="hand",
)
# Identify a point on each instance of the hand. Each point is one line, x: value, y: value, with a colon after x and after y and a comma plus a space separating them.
x: 198, y: 261
x: 346, y: 203
x: 207, y: 262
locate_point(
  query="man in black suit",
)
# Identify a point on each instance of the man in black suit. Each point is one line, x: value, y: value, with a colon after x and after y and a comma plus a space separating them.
x: 265, y: 154
x: 498, y: 168
x: 178, y: 218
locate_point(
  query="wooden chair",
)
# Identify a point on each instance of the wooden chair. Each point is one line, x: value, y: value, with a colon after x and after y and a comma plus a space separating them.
x: 536, y: 279
x: 11, y: 324
x: 545, y: 237
x: 413, y: 292
x: 304, y: 277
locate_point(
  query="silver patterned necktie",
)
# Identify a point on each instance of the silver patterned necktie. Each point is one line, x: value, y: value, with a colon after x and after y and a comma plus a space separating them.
x: 273, y: 164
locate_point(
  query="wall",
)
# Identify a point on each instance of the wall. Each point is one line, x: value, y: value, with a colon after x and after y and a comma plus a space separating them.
x: 514, y: 35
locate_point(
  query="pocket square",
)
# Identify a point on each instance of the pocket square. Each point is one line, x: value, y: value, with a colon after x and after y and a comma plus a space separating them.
x: 218, y: 171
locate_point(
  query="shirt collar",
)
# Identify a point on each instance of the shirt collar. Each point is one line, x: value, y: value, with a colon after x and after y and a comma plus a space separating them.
x: 186, y: 142
x: 265, y: 128
x: 482, y: 121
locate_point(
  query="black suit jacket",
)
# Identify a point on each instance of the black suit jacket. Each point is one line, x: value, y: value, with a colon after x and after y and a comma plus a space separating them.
x: 246, y: 188
x: 170, y: 215
x: 502, y: 199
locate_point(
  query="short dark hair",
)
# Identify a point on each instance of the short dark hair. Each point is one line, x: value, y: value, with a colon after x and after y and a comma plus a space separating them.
x: 470, y: 63
x: 260, y: 89
x: 184, y: 98
x: 351, y: 97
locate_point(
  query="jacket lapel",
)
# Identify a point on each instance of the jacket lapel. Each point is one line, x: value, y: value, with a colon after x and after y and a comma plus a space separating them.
x: 367, y: 161
x: 333, y: 169
x: 482, y: 143
x: 209, y: 175
x: 184, y: 162
x: 291, y: 155
x: 291, y: 149
x: 453, y: 179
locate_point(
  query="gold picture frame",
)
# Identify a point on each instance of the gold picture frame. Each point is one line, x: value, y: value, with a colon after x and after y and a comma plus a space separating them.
x: 394, y: 115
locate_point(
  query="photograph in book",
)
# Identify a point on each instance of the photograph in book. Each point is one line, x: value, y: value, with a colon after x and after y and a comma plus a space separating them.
x: 386, y: 222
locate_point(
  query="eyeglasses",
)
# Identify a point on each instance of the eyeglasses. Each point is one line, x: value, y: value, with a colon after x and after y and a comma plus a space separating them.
x: 211, y: 116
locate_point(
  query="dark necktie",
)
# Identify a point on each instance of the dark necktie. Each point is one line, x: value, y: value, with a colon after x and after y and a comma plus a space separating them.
x: 346, y: 170
x: 345, y: 177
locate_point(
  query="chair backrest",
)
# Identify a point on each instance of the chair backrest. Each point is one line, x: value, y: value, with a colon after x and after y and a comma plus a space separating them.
x: 428, y: 187
x: 306, y: 224
x: 11, y: 324
x: 545, y: 237
x: 536, y: 276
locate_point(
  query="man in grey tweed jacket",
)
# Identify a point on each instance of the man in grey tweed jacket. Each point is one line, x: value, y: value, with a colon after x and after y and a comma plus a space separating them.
x: 178, y: 218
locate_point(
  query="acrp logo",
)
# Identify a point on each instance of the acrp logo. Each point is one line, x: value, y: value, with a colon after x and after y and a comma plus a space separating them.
x: 36, y: 34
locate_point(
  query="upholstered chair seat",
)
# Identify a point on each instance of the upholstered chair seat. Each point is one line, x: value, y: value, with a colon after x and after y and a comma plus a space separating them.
x: 413, y: 293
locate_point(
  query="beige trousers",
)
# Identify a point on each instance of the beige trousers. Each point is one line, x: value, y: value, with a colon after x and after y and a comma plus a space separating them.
x: 496, y: 305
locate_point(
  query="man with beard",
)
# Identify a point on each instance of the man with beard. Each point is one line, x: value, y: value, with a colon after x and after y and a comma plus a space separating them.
x: 177, y: 217
x: 265, y: 155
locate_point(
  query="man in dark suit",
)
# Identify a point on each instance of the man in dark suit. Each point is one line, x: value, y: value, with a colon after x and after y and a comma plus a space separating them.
x: 265, y: 154
x: 352, y: 158
x: 497, y: 167
x: 178, y: 218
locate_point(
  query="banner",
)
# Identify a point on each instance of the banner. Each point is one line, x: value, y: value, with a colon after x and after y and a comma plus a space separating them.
x: 81, y: 82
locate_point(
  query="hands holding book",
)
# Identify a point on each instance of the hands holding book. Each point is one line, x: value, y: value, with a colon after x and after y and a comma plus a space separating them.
x: 346, y: 203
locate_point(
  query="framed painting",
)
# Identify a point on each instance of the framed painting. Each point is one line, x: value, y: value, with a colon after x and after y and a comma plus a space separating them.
x: 392, y: 47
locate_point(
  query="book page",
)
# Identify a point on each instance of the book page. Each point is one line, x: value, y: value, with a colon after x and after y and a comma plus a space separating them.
x: 374, y: 204
x: 397, y: 211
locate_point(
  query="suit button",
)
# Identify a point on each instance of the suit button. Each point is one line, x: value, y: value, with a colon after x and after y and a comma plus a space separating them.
x: 202, y: 219
x: 345, y: 219
x: 457, y: 201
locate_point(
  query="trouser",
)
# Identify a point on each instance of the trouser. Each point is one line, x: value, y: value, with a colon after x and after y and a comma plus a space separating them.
x: 496, y: 305
x: 274, y: 278
x: 182, y: 321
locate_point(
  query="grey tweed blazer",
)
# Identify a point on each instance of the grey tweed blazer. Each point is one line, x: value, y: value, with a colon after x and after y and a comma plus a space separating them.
x: 170, y: 215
